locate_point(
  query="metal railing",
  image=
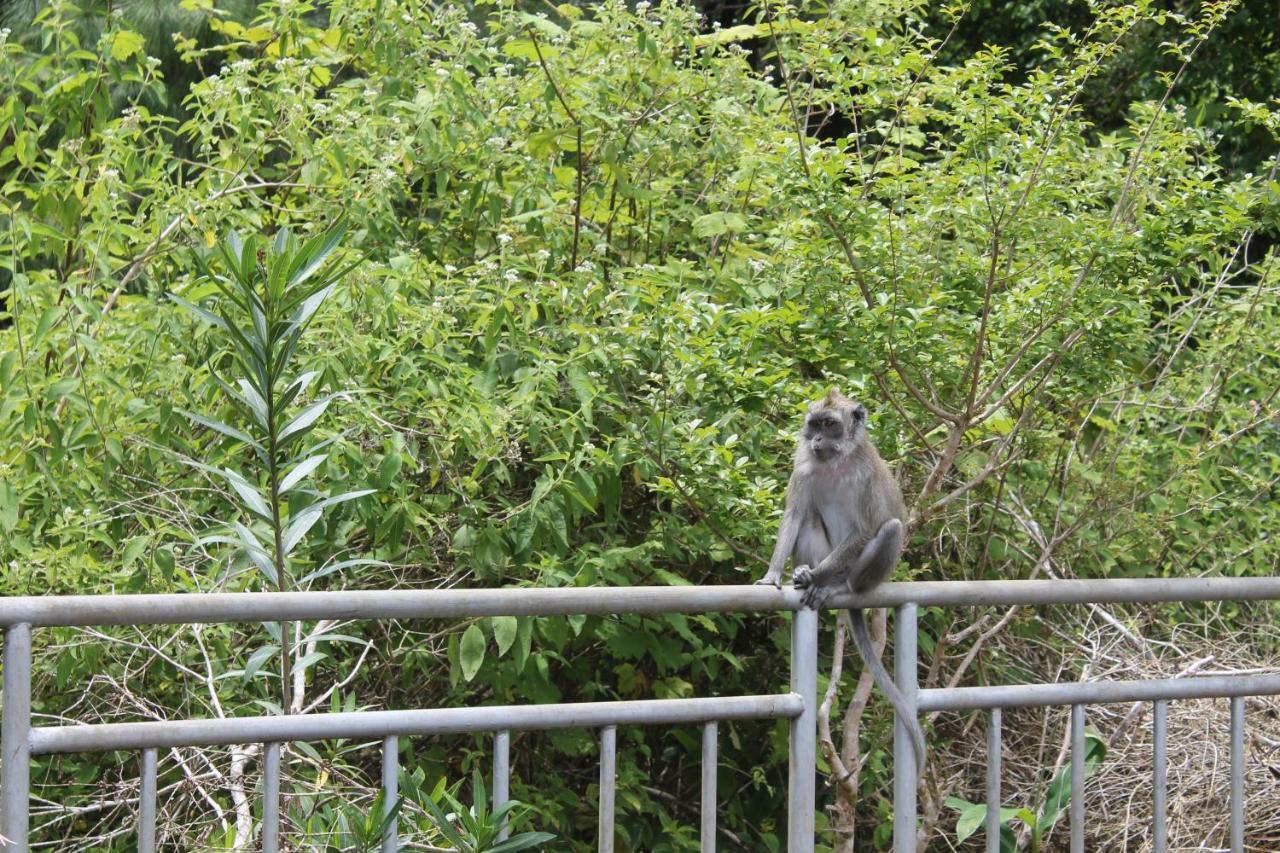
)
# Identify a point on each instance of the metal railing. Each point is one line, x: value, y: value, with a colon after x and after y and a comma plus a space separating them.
x: 19, y: 740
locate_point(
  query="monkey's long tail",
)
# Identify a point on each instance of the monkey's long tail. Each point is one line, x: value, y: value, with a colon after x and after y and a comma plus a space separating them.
x: 862, y: 639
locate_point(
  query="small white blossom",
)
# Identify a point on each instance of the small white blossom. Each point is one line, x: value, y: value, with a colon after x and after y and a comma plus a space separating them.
x: 585, y: 266
x: 756, y: 264
x: 542, y: 255
x: 600, y: 248
x: 511, y: 276
x: 504, y: 239
x: 442, y: 72
x: 450, y: 269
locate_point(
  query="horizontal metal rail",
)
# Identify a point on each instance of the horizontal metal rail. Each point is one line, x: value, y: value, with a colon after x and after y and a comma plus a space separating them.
x: 1096, y: 692
x: 431, y: 721
x: 178, y: 609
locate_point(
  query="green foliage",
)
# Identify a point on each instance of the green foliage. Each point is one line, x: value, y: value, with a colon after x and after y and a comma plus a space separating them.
x: 474, y: 828
x: 1039, y: 823
x: 601, y: 270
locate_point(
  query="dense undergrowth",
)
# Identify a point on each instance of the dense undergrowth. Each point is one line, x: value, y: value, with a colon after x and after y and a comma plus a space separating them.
x: 603, y: 259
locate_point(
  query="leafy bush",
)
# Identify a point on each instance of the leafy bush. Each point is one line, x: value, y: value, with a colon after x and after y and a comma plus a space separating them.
x: 605, y: 259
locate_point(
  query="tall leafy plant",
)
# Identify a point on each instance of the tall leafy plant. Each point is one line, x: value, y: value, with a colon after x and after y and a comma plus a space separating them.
x: 267, y: 294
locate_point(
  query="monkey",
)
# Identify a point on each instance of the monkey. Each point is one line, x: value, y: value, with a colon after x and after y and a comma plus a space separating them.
x: 842, y: 527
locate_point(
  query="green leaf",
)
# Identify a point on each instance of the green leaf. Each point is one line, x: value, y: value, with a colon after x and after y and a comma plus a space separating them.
x: 523, y: 841
x: 308, y: 416
x: 219, y: 426
x: 721, y: 222
x: 337, y: 567
x: 202, y: 313
x: 302, y: 469
x: 126, y: 43
x: 504, y: 632
x: 298, y: 527
x: 134, y: 550
x: 248, y: 493
x: 258, y: 658
x: 472, y: 649
x: 970, y: 819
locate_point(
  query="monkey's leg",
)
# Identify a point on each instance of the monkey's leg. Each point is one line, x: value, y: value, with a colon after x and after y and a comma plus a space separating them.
x: 860, y: 562
x: 877, y: 559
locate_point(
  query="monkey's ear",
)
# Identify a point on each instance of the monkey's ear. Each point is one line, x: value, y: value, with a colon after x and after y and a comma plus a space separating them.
x: 860, y: 413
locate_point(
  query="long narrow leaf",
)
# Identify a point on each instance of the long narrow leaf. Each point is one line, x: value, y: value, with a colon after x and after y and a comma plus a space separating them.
x: 203, y: 313
x: 342, y: 498
x: 219, y: 426
x: 307, y: 417
x: 445, y: 825
x: 250, y: 495
x: 523, y: 841
x: 337, y: 567
x: 298, y: 527
x: 309, y: 306
x: 304, y: 468
x: 258, y: 658
x: 255, y: 402
x: 315, y: 252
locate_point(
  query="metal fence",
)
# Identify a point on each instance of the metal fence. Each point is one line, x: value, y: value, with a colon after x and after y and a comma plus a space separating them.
x: 19, y: 740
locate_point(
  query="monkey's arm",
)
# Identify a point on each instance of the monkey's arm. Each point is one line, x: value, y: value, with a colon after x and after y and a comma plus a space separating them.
x: 787, y: 533
x: 859, y: 564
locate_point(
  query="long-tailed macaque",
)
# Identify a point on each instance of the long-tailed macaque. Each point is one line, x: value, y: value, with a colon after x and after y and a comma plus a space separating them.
x: 842, y: 526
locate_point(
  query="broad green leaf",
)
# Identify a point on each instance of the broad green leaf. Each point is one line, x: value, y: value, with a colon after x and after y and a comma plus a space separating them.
x: 504, y: 632
x: 716, y: 224
x: 126, y: 43
x: 134, y: 550
x: 970, y: 819
x: 472, y: 651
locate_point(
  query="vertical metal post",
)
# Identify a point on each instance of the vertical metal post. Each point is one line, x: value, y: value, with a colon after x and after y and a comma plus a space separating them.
x: 1159, y: 809
x: 390, y: 791
x: 501, y: 776
x: 271, y: 799
x: 15, y: 739
x: 904, y: 759
x: 1237, y: 774
x: 710, y: 763
x: 147, y: 804
x: 608, y: 779
x: 1077, y: 779
x: 803, y: 759
x: 993, y: 781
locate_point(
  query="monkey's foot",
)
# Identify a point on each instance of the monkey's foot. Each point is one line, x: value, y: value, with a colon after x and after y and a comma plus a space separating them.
x: 774, y: 581
x: 814, y: 594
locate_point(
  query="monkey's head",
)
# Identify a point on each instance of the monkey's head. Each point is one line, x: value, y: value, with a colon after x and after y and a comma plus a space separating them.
x: 834, y: 427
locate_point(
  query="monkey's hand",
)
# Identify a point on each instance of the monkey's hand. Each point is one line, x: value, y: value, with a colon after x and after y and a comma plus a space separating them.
x: 771, y: 579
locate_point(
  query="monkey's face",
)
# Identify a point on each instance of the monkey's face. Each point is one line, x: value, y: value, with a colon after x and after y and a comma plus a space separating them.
x: 832, y: 431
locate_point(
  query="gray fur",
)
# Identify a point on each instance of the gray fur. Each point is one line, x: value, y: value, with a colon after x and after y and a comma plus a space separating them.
x: 844, y: 518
